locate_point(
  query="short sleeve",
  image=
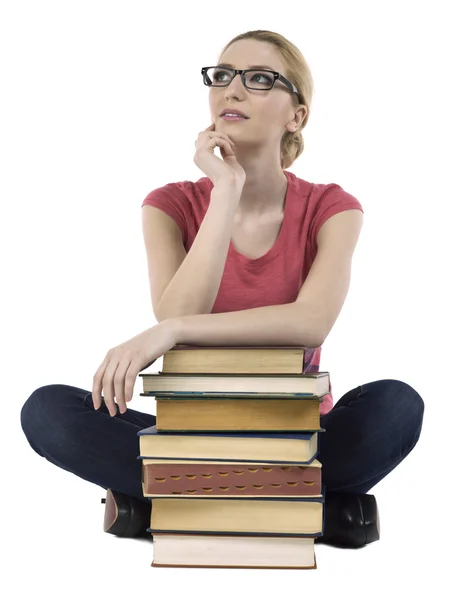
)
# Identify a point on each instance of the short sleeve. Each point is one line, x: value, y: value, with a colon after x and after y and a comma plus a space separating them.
x: 332, y: 201
x: 172, y: 201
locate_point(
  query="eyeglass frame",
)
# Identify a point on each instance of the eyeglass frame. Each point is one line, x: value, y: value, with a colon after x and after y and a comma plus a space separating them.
x: 242, y: 73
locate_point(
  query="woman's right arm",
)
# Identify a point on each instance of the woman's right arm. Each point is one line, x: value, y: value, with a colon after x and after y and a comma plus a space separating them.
x: 187, y: 284
x: 183, y: 284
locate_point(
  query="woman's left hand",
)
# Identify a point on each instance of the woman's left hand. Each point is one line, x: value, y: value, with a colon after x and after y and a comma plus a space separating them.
x: 118, y: 372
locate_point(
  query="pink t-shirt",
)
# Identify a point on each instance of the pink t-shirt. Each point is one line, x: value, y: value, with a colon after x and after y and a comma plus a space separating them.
x: 277, y: 276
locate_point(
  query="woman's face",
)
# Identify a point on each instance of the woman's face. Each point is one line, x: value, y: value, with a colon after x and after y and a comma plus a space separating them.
x: 270, y: 112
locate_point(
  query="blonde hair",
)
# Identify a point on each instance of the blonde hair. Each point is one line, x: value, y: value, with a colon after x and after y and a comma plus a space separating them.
x: 298, y: 72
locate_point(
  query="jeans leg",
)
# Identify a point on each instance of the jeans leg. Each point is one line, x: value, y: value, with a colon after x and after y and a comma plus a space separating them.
x: 61, y: 424
x: 369, y: 431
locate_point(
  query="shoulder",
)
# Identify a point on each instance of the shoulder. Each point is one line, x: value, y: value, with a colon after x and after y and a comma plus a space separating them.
x: 341, y: 229
x: 318, y: 196
x: 333, y: 194
x: 331, y: 202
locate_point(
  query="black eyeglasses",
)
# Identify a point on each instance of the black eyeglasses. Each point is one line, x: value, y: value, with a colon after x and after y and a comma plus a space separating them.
x: 259, y: 79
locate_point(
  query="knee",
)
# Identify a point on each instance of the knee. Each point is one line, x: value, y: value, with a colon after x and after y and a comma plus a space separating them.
x: 403, y: 402
x: 409, y: 398
x: 39, y: 413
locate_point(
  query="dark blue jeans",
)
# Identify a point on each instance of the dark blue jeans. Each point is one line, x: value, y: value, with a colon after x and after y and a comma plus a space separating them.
x: 369, y: 431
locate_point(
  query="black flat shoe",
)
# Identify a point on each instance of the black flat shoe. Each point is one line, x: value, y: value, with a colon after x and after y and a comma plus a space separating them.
x: 126, y: 516
x: 350, y: 520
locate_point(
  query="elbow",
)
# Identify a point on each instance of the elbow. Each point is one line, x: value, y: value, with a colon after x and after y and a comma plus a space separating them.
x: 319, y: 341
x: 309, y: 330
x: 310, y: 338
x: 317, y: 336
x: 320, y: 335
x: 315, y: 341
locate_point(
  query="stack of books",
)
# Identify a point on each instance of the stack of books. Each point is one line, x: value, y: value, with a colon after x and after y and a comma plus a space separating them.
x: 230, y: 465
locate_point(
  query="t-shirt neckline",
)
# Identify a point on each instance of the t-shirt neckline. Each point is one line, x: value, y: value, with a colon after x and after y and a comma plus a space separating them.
x: 279, y: 244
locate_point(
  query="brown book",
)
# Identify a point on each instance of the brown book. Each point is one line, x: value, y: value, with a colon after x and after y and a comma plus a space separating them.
x: 218, y: 479
x: 238, y: 414
x: 228, y: 551
x: 264, y: 384
x: 281, y: 516
x: 185, y: 358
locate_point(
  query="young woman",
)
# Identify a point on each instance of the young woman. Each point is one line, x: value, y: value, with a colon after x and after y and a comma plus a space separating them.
x: 250, y: 254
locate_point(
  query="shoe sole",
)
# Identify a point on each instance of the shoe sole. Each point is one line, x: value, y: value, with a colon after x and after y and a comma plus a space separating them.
x: 117, y: 513
x: 124, y: 516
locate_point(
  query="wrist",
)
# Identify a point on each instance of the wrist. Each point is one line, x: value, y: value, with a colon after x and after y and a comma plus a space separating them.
x: 172, y: 326
x: 226, y: 196
x: 228, y: 186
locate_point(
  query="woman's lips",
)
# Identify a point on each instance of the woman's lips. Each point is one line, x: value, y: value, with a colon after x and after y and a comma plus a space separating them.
x: 226, y: 118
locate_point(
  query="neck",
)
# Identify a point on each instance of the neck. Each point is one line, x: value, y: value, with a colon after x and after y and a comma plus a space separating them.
x: 265, y: 186
x: 263, y: 194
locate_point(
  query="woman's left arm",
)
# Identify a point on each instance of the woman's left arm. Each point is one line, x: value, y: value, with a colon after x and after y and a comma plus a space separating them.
x: 286, y: 324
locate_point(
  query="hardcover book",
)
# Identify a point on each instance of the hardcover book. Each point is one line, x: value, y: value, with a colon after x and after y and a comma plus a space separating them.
x: 278, y: 516
x: 238, y: 414
x: 291, y: 447
x: 184, y: 358
x: 200, y: 479
x: 265, y: 384
x: 250, y: 552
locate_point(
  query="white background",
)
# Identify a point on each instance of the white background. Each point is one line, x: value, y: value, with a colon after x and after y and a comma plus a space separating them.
x: 90, y: 124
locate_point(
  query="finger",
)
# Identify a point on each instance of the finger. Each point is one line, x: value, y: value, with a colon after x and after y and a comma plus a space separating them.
x: 230, y: 143
x: 120, y: 384
x: 225, y: 146
x: 225, y: 137
x: 216, y: 134
x: 217, y: 141
x: 226, y: 151
x: 97, y: 383
x: 108, y: 387
x: 130, y: 379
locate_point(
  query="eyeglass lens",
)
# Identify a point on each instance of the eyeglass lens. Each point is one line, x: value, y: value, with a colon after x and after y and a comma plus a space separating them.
x: 255, y: 80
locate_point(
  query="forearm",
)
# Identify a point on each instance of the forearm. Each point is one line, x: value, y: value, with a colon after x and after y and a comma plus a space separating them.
x: 286, y: 324
x: 194, y: 287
